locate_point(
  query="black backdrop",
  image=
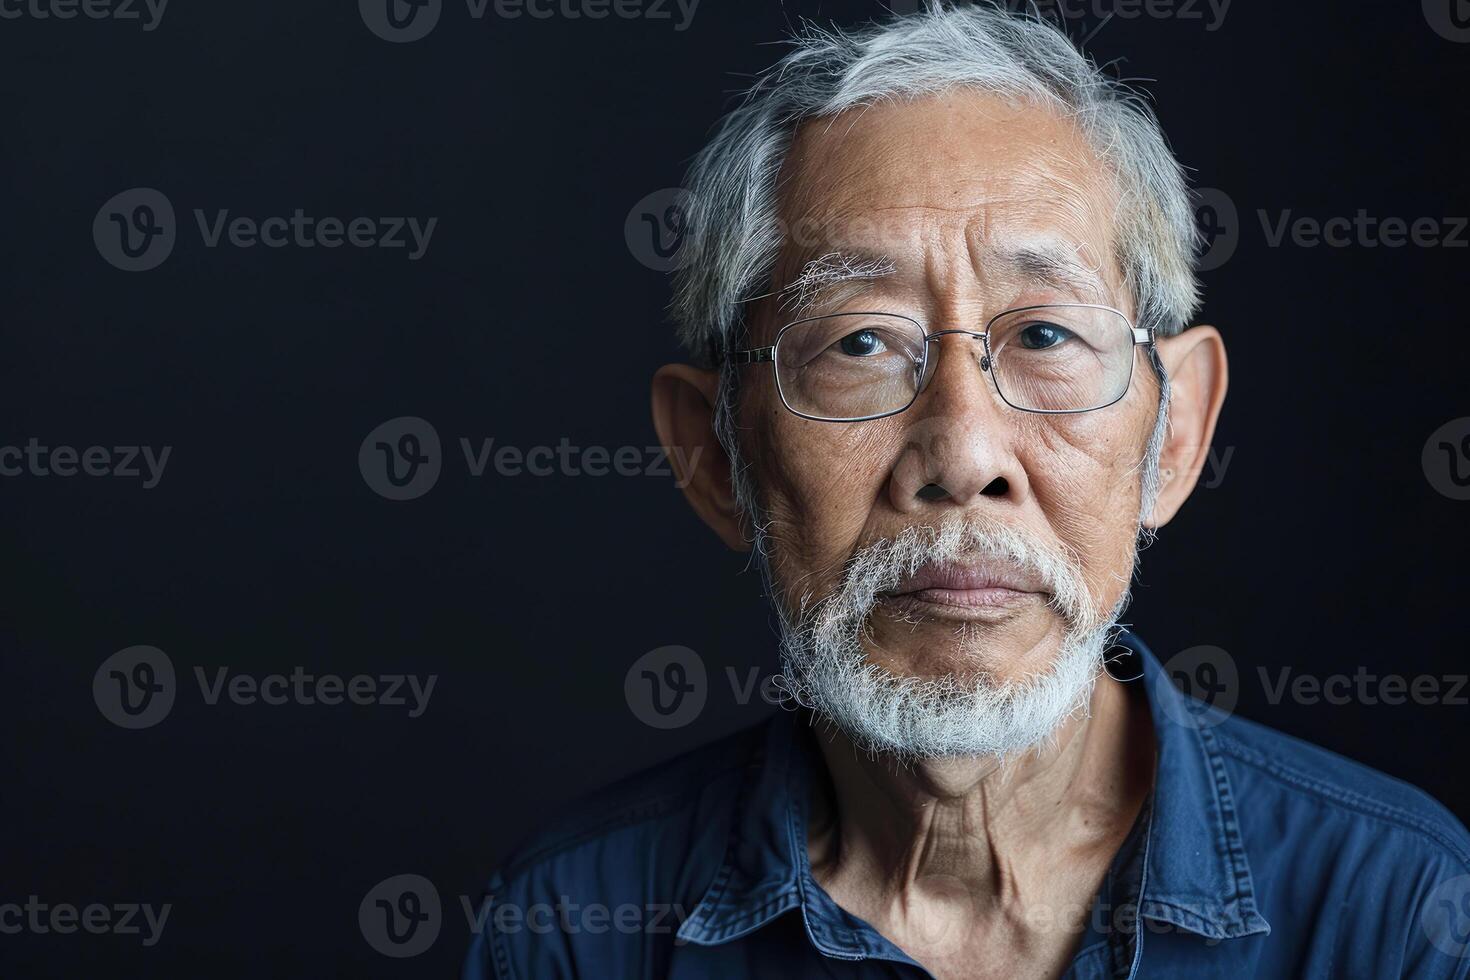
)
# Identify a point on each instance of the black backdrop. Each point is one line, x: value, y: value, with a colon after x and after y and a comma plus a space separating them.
x: 1327, y: 544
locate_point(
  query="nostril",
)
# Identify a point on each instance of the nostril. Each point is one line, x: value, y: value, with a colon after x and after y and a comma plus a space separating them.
x: 932, y: 491
x: 996, y: 488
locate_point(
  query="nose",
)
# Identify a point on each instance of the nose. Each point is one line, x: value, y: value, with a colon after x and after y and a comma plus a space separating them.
x: 958, y: 441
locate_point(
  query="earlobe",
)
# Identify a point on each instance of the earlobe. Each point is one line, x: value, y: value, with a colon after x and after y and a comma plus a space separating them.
x: 1198, y: 378
x: 684, y: 398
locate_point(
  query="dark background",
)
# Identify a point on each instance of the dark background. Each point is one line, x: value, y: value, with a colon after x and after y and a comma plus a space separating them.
x: 1325, y: 547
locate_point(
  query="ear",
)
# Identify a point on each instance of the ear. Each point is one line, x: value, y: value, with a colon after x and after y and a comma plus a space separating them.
x: 684, y: 399
x: 1198, y: 376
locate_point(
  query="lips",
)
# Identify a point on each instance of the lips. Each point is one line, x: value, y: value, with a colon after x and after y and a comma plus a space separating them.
x: 969, y: 585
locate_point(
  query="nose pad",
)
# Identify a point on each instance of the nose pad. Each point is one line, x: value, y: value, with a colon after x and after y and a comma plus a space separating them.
x: 932, y: 355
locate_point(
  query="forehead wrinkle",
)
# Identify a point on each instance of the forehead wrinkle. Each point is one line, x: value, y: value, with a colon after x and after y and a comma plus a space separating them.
x: 1025, y: 226
x: 1047, y: 245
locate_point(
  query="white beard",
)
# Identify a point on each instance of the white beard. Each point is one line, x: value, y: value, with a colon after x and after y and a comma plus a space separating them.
x: 827, y: 668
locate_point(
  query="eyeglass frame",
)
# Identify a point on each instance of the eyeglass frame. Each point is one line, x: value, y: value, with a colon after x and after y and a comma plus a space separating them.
x: 761, y: 355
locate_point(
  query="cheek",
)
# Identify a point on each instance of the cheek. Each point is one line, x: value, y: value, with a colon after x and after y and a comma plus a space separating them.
x: 1086, y: 478
x: 820, y: 483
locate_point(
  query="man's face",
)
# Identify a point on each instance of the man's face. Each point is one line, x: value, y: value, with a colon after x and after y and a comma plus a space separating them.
x: 967, y: 206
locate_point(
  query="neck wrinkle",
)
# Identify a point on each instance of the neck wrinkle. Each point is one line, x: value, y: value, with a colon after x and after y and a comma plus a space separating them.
x: 975, y: 830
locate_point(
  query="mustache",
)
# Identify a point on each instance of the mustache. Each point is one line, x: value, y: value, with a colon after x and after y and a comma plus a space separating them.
x: 879, y: 566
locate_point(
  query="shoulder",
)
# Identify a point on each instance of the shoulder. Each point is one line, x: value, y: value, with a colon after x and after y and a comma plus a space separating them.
x: 1386, y: 861
x: 1326, y: 789
x: 633, y: 858
x: 654, y: 802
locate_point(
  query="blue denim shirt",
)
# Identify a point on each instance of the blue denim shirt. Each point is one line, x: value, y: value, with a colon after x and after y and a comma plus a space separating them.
x: 1257, y: 855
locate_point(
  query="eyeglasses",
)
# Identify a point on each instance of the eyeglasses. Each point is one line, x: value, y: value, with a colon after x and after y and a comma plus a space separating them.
x: 852, y: 367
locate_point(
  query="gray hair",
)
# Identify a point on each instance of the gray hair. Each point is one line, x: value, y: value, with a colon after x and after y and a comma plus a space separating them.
x: 732, y: 228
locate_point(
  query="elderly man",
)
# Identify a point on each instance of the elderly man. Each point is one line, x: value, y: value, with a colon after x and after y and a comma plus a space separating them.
x: 938, y: 275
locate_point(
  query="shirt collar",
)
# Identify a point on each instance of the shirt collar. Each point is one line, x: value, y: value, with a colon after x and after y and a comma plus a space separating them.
x: 1196, y: 873
x: 766, y: 871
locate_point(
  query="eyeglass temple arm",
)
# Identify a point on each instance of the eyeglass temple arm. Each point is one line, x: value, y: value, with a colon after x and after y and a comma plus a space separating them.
x: 754, y: 356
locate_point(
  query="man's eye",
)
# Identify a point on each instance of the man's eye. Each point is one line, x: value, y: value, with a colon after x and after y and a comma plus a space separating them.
x: 863, y: 343
x: 1040, y: 336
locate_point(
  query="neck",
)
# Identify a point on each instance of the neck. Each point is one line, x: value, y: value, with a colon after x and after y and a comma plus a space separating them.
x: 971, y: 836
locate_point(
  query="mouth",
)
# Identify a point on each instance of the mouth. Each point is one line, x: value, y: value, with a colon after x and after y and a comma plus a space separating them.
x: 979, y: 591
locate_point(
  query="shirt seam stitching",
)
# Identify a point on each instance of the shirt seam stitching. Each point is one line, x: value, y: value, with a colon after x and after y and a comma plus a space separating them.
x: 1228, y: 814
x: 729, y: 928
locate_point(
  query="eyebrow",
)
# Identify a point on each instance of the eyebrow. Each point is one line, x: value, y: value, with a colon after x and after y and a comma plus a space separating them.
x: 1055, y: 265
x: 823, y: 275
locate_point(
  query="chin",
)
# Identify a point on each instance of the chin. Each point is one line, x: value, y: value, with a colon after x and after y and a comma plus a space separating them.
x: 1009, y: 650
